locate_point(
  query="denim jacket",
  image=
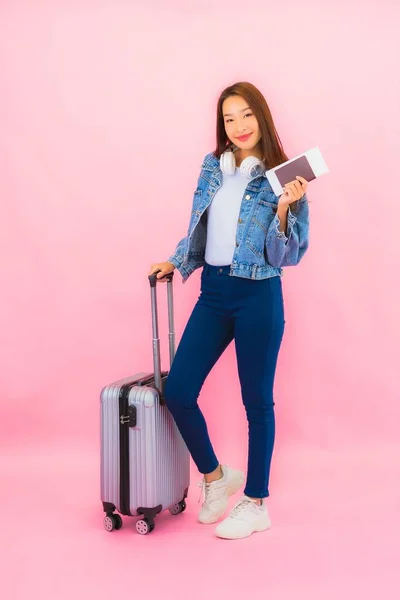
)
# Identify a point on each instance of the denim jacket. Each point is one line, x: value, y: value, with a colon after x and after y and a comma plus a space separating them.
x: 261, y: 248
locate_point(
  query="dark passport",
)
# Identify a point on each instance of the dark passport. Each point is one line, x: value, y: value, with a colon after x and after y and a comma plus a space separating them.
x: 299, y: 167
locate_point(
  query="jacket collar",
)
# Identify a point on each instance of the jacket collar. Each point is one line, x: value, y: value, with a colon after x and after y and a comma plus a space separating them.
x: 210, y: 162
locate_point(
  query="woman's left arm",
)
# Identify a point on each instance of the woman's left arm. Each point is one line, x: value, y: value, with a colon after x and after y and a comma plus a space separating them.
x: 288, y: 235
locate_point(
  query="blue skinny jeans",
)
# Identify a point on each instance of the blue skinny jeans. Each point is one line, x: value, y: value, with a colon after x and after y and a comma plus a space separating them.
x: 251, y: 313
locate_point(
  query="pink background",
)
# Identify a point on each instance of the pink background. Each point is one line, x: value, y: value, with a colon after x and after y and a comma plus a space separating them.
x: 106, y: 112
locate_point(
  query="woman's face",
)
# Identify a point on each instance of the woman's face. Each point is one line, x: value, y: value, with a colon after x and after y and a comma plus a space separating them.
x: 241, y: 126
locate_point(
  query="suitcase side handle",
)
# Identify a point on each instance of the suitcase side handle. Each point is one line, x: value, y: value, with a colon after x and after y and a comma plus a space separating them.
x: 171, y: 326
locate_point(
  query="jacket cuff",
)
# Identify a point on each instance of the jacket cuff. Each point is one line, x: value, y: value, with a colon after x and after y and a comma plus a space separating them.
x: 291, y: 220
x: 175, y: 260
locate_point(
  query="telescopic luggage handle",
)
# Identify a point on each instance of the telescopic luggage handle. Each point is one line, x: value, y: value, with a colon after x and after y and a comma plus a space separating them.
x: 154, y: 319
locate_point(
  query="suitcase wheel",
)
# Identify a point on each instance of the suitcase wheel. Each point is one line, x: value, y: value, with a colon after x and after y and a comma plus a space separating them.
x: 112, y: 521
x: 178, y: 508
x: 145, y: 526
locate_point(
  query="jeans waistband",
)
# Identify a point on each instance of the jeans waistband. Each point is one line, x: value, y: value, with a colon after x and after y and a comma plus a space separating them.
x: 216, y: 271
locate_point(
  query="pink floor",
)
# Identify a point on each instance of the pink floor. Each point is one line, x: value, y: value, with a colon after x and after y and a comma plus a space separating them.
x: 335, y: 534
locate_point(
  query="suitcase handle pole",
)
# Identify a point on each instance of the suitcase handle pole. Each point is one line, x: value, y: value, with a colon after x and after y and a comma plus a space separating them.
x: 171, y: 324
x: 154, y: 318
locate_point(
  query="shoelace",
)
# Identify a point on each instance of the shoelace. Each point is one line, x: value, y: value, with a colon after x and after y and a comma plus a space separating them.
x: 210, y: 493
x: 240, y: 507
x: 202, y: 486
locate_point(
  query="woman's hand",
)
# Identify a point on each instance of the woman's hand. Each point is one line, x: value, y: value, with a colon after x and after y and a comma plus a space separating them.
x: 165, y: 268
x: 293, y: 191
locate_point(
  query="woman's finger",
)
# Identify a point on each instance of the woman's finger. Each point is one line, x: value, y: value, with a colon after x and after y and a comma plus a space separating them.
x: 161, y: 275
x: 290, y: 187
x: 304, y: 185
x: 294, y: 192
x: 298, y: 187
x: 289, y: 194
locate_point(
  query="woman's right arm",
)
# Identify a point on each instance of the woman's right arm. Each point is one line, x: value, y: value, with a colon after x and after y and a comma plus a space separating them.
x: 178, y: 256
x: 174, y: 262
x: 176, y: 259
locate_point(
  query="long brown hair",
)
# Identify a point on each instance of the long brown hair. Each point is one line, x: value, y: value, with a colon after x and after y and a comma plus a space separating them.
x: 271, y: 145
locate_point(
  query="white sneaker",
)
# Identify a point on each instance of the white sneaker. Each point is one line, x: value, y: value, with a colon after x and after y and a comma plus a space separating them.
x: 245, y: 518
x: 217, y: 494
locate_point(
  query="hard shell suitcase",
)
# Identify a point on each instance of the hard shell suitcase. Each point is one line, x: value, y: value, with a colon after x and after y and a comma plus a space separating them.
x: 144, y: 460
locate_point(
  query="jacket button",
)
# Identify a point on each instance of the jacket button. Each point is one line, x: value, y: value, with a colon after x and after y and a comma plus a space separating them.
x: 237, y: 244
x: 248, y: 196
x: 240, y: 221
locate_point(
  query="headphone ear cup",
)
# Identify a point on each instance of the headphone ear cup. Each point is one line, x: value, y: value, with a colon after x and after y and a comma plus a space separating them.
x: 227, y: 162
x: 251, y: 167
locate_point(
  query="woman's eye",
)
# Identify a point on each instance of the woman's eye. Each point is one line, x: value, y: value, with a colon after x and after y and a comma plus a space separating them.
x: 246, y: 115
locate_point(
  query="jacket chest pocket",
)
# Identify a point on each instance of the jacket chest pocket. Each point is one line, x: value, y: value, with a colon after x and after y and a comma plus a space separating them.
x: 263, y: 214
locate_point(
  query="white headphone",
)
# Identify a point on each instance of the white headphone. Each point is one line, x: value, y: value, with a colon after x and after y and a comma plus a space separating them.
x: 250, y: 167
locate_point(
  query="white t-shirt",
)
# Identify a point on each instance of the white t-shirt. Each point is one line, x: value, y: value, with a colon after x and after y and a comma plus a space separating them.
x: 222, y: 221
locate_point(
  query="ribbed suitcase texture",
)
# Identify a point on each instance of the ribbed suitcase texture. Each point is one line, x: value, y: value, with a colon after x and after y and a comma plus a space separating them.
x: 144, y: 460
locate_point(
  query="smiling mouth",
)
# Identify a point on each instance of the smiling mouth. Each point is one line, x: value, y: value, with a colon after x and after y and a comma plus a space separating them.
x: 244, y: 137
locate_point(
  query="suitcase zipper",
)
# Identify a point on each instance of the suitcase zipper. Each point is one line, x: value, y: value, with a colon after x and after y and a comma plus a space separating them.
x: 127, y: 419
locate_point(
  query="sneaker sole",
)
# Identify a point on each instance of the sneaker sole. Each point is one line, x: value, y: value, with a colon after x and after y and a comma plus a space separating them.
x: 242, y: 537
x: 231, y: 490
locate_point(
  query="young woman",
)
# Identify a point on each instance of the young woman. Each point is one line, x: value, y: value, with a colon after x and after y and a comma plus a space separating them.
x: 241, y: 234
